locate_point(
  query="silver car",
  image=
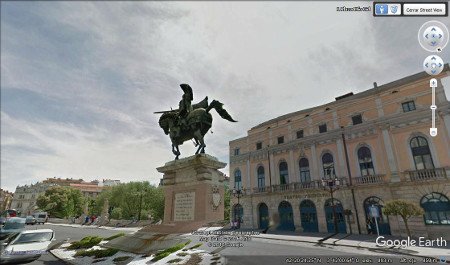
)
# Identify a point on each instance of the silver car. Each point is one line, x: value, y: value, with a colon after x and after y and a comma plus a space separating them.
x: 25, y: 246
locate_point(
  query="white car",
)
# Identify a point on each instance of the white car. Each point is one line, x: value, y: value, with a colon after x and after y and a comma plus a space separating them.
x: 25, y: 246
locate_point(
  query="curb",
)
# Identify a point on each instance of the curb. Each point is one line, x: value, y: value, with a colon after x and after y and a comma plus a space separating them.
x: 58, y: 257
x: 127, y: 229
x: 389, y: 250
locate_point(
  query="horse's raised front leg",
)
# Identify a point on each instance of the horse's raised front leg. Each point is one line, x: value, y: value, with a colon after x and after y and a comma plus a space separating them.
x: 203, y: 148
x: 198, y: 149
x: 175, y: 151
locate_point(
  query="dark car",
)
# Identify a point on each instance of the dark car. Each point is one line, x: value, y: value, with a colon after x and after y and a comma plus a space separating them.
x: 30, y: 220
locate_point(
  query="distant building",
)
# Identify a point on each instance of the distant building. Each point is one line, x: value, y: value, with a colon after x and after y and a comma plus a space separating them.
x: 25, y: 197
x: 89, y: 189
x: 109, y: 182
x: 63, y: 181
x: 5, y: 199
x: 375, y: 145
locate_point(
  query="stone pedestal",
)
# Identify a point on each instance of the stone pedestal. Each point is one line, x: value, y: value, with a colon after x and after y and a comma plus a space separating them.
x: 194, y: 197
x: 193, y: 190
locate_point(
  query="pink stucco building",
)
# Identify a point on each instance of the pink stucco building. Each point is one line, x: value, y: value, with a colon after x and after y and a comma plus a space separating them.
x: 377, y: 143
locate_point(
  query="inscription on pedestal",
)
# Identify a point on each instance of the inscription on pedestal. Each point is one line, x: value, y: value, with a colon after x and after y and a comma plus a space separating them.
x: 184, y: 206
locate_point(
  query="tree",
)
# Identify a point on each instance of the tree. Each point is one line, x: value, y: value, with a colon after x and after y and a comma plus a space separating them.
x: 61, y: 202
x: 155, y: 202
x: 136, y: 199
x: 227, y: 202
x: 116, y: 213
x: 100, y: 201
x: 403, y: 208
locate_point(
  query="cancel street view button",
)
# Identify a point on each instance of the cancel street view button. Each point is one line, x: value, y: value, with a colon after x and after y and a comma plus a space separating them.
x: 431, y: 9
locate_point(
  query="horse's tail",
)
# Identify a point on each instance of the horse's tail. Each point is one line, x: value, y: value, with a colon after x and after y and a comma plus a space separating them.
x: 219, y: 108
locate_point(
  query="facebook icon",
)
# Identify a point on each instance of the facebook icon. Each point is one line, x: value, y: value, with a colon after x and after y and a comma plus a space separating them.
x: 381, y: 9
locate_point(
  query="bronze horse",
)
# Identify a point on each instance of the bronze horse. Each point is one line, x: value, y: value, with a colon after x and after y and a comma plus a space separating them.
x: 198, y: 122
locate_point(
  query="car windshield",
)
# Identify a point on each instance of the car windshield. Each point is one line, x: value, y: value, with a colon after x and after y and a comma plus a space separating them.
x: 8, y: 237
x: 34, y: 237
x: 41, y: 216
x: 14, y: 223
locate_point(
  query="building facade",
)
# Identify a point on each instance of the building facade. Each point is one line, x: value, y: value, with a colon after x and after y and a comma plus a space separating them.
x: 376, y: 143
x: 25, y: 197
x: 5, y: 199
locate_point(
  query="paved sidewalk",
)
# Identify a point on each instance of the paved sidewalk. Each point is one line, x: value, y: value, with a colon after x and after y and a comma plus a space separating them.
x: 361, y: 241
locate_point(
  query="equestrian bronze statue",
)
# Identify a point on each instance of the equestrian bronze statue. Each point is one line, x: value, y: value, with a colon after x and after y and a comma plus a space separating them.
x: 190, y: 121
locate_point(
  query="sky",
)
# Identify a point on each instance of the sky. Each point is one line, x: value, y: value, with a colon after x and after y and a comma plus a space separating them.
x: 80, y: 80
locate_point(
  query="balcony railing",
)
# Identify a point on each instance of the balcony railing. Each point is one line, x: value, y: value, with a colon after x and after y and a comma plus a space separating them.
x: 295, y: 186
x: 369, y: 179
x: 427, y: 174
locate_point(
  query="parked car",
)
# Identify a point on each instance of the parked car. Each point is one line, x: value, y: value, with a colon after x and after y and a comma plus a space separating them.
x: 41, y: 217
x: 30, y: 220
x: 25, y: 246
x: 12, y: 225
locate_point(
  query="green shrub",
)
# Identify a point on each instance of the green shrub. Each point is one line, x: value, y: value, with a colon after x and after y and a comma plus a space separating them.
x: 115, y: 236
x: 86, y: 242
x: 196, y: 246
x: 97, y: 253
x: 123, y: 258
x: 174, y: 260
x: 170, y: 250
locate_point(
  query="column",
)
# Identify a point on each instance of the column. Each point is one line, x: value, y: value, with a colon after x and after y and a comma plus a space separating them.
x: 274, y: 174
x: 291, y: 167
x: 446, y: 120
x: 314, y: 163
x: 379, y: 107
x: 341, y: 155
x: 335, y: 120
x: 249, y: 185
x: 390, y: 155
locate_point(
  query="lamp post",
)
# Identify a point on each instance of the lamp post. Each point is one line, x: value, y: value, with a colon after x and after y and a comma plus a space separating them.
x: 237, y: 193
x: 332, y: 185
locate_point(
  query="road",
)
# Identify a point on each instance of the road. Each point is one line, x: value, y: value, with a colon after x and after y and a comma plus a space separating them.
x: 257, y: 251
x: 67, y: 233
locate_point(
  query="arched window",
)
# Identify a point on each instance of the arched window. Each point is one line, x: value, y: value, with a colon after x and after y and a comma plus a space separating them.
x: 421, y: 153
x: 237, y: 179
x: 261, y: 177
x: 328, y: 166
x: 305, y: 175
x: 437, y: 209
x: 284, y: 175
x: 365, y: 162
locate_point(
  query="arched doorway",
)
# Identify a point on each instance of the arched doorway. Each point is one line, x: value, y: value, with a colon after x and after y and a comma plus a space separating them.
x: 308, y: 216
x: 339, y: 216
x: 263, y: 216
x: 286, y: 217
x: 437, y: 209
x: 383, y: 220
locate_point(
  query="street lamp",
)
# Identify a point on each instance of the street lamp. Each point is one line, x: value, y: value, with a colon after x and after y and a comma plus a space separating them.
x: 237, y: 193
x: 332, y: 185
